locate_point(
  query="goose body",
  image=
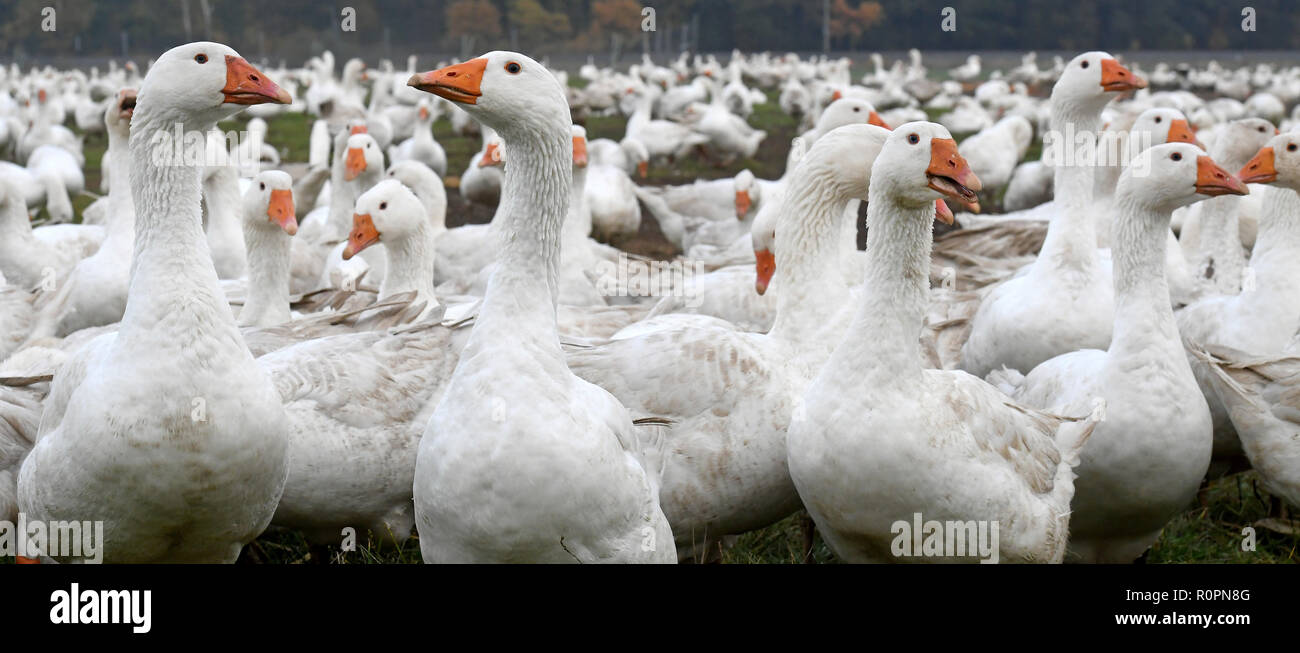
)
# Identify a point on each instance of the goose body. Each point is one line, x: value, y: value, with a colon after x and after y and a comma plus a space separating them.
x: 120, y: 439
x: 576, y: 481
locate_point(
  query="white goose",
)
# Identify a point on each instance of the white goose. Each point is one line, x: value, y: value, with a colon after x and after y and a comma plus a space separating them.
x: 390, y: 213
x: 268, y: 222
x: 573, y: 481
x: 481, y: 181
x: 1149, y: 453
x: 879, y: 439
x: 421, y: 146
x: 1065, y: 301
x: 1263, y: 318
x: 42, y: 256
x: 167, y: 430
x: 731, y: 393
x: 1260, y: 395
x: 96, y: 289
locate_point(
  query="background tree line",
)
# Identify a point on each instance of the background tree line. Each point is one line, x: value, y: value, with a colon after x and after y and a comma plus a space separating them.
x: 295, y: 29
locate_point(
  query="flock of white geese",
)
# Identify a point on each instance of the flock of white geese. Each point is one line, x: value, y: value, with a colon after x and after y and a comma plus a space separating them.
x: 218, y: 348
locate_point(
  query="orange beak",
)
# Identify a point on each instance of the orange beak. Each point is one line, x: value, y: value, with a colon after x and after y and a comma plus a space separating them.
x: 458, y: 83
x: 579, y: 151
x: 41, y: 96
x: 1259, y: 170
x: 363, y: 235
x: 765, y: 266
x: 1214, y: 181
x: 491, y: 156
x: 424, y: 113
x: 355, y: 164
x: 247, y: 85
x: 1181, y: 132
x: 942, y: 213
x: 949, y: 173
x: 21, y: 560
x: 1115, y: 77
x: 875, y: 119
x: 743, y: 202
x: 280, y: 210
x: 358, y: 129
x: 836, y: 95
x: 643, y: 169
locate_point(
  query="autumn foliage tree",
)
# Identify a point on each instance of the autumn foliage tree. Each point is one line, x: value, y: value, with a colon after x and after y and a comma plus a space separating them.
x: 471, y: 19
x: 536, y: 26
x: 849, y: 23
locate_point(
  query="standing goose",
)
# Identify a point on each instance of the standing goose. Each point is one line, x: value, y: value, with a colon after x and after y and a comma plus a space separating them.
x: 390, y: 213
x: 522, y: 461
x: 1151, y: 450
x: 731, y: 393
x: 269, y: 223
x: 1065, y: 301
x: 96, y: 289
x: 167, y: 430
x: 878, y: 438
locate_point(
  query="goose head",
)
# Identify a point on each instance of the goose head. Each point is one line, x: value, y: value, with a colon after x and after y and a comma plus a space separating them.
x: 746, y: 192
x: 200, y: 84
x: 362, y: 154
x: 423, y: 114
x: 388, y: 211
x: 426, y: 185
x: 636, y: 151
x: 268, y: 202
x: 504, y: 90
x: 1240, y: 140
x: 1164, y: 125
x: 849, y: 111
x: 579, y: 134
x: 1168, y: 176
x: 920, y: 164
x: 1091, y: 79
x: 117, y: 116
x: 1278, y: 162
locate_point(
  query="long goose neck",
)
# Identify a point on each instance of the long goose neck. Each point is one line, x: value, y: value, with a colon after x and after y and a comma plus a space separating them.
x: 577, y: 222
x: 268, y: 276
x: 1072, y: 234
x: 410, y: 264
x: 809, y: 247
x: 1219, y: 253
x: 885, y: 336
x: 221, y: 192
x: 120, y: 223
x: 1275, y: 261
x: 1144, y: 319
x: 15, y: 225
x: 173, y: 282
x: 522, y: 291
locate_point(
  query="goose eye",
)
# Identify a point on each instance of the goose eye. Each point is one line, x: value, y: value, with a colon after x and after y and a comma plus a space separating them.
x: 1291, y: 147
x: 1158, y: 118
x: 1260, y: 130
x: 513, y: 68
x: 201, y: 58
x: 261, y: 186
x: 913, y: 139
x: 857, y: 109
x: 383, y: 205
x: 1176, y: 156
x: 1084, y: 64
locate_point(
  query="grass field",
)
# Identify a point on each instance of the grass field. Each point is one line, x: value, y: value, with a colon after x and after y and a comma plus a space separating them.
x: 1202, y: 534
